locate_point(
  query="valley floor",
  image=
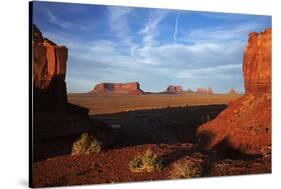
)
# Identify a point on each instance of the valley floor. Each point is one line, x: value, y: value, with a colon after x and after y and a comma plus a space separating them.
x: 131, y: 127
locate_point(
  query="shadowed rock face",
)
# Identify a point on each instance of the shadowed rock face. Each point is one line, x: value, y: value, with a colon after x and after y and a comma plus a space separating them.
x: 53, y: 116
x: 174, y: 89
x: 132, y: 88
x: 49, y: 68
x: 257, y: 63
x: 246, y: 122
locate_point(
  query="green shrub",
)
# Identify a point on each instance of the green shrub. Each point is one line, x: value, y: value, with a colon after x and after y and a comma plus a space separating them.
x: 147, y: 162
x: 186, y: 169
x: 86, y: 144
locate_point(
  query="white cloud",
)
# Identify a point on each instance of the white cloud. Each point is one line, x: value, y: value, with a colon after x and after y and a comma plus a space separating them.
x: 222, y: 71
x: 197, y: 55
x: 57, y: 21
x: 218, y: 34
x: 150, y: 31
x: 118, y: 23
x: 176, y: 28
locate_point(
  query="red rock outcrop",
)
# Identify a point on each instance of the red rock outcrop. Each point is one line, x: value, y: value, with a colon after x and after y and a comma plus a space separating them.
x: 257, y: 63
x: 53, y: 116
x: 49, y: 68
x: 174, y: 89
x: 204, y: 91
x: 232, y: 92
x: 132, y: 88
x: 245, y: 125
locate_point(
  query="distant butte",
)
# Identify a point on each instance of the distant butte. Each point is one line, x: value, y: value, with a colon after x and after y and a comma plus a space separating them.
x: 132, y: 88
x: 204, y: 91
x: 232, y: 91
x: 174, y: 89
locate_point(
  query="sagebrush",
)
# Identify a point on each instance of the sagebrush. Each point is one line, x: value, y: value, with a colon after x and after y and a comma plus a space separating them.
x: 186, y: 169
x: 147, y: 162
x: 86, y: 144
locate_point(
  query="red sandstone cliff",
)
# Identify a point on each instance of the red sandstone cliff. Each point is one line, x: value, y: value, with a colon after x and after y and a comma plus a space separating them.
x: 53, y: 116
x: 49, y: 68
x: 245, y: 125
x: 132, y: 88
x: 257, y: 63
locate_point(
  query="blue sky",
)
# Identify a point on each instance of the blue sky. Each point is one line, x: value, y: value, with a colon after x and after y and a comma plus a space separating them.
x: 156, y: 47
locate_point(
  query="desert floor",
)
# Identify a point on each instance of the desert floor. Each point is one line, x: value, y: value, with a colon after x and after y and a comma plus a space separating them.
x: 164, y: 123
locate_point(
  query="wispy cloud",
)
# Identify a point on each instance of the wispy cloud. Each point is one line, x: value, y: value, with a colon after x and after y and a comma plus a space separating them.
x: 119, y: 23
x: 176, y: 28
x: 236, y: 32
x: 152, y: 46
x: 221, y: 71
x: 150, y: 31
x: 57, y: 21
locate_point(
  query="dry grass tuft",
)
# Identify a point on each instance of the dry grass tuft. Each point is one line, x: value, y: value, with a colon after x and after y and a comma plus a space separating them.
x: 147, y: 162
x: 86, y: 144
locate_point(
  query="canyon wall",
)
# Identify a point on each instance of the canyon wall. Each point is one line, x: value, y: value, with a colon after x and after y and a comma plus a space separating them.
x: 245, y: 125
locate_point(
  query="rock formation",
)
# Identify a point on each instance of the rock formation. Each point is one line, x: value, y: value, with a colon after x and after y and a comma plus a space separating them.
x: 174, y: 89
x: 204, y: 91
x: 190, y: 90
x: 53, y: 116
x: 49, y: 68
x: 245, y: 125
x: 132, y: 88
x: 257, y: 63
x: 232, y: 92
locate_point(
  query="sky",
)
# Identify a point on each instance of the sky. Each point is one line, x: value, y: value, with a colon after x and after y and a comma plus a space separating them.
x: 155, y: 47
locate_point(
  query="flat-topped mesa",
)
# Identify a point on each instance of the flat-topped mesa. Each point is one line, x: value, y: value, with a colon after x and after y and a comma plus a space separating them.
x: 257, y: 63
x: 49, y: 68
x: 174, y: 89
x: 204, y: 91
x: 132, y: 88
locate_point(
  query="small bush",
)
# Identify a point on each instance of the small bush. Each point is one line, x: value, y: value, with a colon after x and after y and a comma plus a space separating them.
x: 186, y: 169
x: 86, y: 144
x: 147, y: 162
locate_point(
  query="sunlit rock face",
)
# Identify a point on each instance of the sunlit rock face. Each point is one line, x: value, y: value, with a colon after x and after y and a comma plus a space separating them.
x: 49, y: 69
x: 132, y: 88
x: 257, y: 63
x: 245, y: 125
x: 53, y: 116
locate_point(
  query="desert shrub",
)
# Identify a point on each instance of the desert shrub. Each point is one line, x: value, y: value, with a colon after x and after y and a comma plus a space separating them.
x: 86, y: 144
x: 147, y: 162
x: 186, y: 169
